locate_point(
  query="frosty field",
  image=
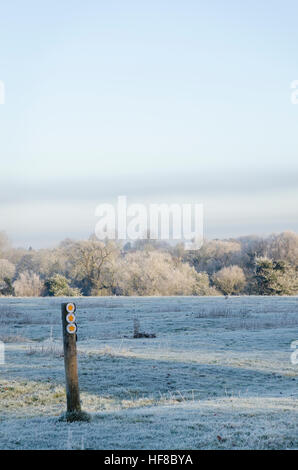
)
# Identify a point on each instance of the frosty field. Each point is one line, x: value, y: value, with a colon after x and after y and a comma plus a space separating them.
x: 218, y: 375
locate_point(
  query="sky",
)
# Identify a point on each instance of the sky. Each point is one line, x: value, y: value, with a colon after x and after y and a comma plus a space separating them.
x: 162, y: 101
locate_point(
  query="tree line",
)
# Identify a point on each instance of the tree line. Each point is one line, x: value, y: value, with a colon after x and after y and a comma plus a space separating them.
x: 249, y: 265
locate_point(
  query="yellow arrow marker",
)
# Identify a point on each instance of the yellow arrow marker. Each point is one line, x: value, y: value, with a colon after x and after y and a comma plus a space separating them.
x: 71, y: 328
x: 70, y: 318
x: 70, y: 307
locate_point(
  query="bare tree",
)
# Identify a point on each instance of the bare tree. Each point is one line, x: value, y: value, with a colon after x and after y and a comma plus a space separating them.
x: 93, y: 265
x: 284, y: 247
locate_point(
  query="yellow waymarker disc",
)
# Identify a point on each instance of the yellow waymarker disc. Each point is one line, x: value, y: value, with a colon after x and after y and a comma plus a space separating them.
x: 70, y: 318
x: 71, y: 328
x: 70, y: 307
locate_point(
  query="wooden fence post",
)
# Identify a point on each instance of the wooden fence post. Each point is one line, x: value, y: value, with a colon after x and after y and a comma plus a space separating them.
x: 69, y: 328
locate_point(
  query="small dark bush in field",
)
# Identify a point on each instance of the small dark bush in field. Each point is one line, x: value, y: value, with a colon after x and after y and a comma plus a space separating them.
x: 72, y: 416
x: 140, y: 334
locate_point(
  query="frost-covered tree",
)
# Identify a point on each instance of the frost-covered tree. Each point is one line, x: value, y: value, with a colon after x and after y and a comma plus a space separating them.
x: 6, y: 287
x: 276, y: 277
x: 252, y: 247
x: 58, y: 286
x: 214, y: 255
x: 28, y: 284
x: 230, y: 280
x: 156, y: 273
x: 7, y: 269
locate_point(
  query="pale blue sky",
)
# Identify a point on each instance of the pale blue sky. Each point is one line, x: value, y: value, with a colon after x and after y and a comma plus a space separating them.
x: 160, y: 101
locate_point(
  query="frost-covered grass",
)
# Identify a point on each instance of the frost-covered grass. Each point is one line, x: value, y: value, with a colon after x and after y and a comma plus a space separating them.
x: 218, y: 374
